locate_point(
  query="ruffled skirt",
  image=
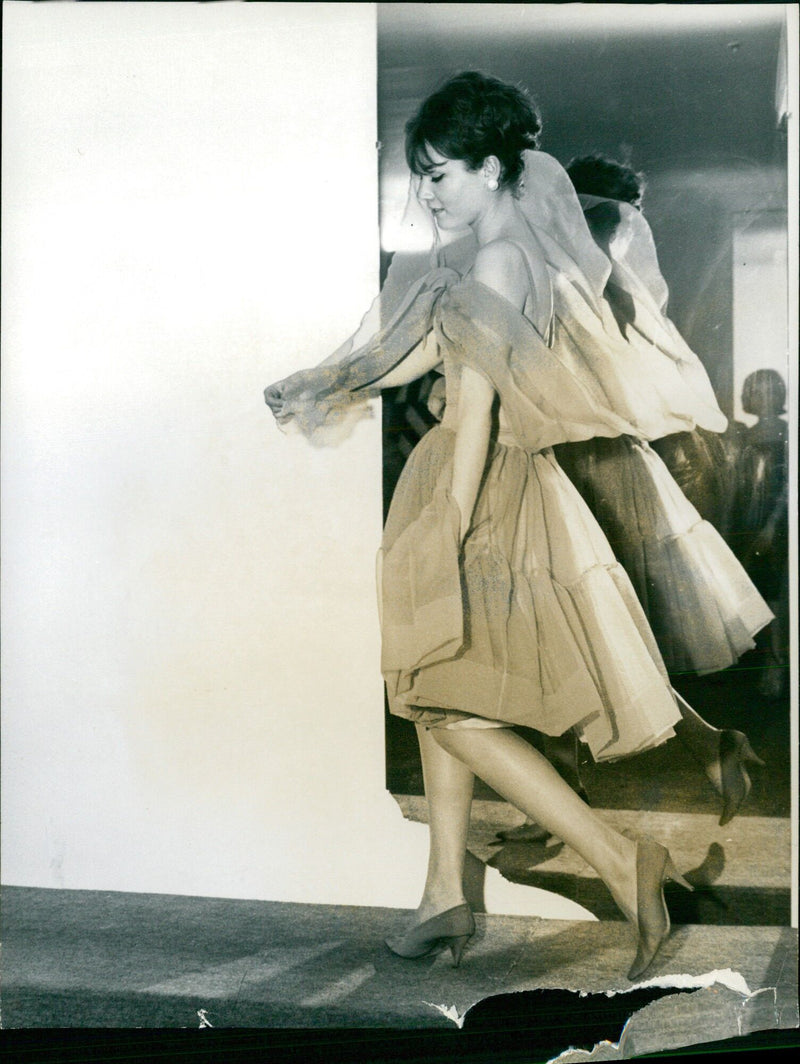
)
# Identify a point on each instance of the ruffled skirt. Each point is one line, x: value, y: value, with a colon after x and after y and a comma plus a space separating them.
x: 702, y: 606
x: 533, y: 622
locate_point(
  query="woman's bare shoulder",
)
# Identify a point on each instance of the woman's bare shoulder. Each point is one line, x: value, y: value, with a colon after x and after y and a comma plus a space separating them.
x: 500, y: 265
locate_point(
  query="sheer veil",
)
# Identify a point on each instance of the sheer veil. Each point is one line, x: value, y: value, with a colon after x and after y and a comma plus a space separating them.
x: 636, y: 287
x: 633, y: 249
x: 550, y: 204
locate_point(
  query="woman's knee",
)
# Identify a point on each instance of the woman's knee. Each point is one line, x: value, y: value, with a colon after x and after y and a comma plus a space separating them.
x: 459, y: 743
x: 442, y: 737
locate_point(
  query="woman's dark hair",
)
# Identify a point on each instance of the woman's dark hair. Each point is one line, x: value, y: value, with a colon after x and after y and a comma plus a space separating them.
x: 597, y: 175
x: 471, y: 117
x: 764, y: 393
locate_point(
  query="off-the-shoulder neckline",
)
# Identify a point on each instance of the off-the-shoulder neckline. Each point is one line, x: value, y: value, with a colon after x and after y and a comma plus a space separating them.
x: 507, y: 302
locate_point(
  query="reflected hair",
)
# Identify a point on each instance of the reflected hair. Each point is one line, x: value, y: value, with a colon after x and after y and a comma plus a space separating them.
x: 764, y: 393
x: 471, y: 117
x: 597, y: 175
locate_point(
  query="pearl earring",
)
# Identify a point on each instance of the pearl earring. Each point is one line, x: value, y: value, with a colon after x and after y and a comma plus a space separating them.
x: 491, y: 184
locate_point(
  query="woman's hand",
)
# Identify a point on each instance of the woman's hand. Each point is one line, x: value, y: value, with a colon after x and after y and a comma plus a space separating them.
x: 437, y: 399
x: 275, y: 396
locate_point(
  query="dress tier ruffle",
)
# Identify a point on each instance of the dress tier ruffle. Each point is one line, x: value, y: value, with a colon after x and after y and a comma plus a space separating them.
x: 703, y: 608
x: 534, y: 623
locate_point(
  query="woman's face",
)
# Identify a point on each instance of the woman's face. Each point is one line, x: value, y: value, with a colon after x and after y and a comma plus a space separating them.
x: 455, y: 195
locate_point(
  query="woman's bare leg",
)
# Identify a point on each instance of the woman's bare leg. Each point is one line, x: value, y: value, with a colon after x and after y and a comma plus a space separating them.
x: 449, y: 784
x: 525, y: 778
x: 722, y: 753
x: 562, y: 753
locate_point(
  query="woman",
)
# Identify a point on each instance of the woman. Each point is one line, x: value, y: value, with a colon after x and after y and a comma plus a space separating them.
x: 760, y: 530
x: 703, y: 609
x: 501, y: 600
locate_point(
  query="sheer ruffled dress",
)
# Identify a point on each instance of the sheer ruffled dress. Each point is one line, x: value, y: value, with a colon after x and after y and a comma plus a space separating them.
x: 532, y: 621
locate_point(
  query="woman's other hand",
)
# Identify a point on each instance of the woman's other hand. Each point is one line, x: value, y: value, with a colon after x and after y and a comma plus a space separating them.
x: 437, y: 399
x: 275, y: 396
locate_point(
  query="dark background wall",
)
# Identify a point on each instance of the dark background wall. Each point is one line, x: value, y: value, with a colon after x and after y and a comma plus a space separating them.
x: 686, y: 93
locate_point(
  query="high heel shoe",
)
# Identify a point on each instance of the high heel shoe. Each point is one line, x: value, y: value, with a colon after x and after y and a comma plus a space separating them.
x: 735, y: 752
x: 654, y: 867
x: 453, y: 928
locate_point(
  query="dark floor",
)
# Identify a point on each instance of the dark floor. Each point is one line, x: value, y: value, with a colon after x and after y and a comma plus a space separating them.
x: 97, y: 959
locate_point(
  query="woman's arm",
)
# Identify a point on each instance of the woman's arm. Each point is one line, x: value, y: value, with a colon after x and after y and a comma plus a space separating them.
x: 274, y: 393
x: 424, y: 356
x: 473, y: 427
x: 405, y: 270
x: 420, y: 359
x: 498, y: 266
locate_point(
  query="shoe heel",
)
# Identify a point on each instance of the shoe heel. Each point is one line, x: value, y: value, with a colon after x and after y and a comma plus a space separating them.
x: 451, y: 928
x: 671, y: 872
x: 749, y: 754
x: 735, y: 752
x: 457, y: 948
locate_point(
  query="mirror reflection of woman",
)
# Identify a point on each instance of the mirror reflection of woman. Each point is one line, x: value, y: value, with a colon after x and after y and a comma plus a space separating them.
x: 760, y: 530
x: 502, y: 602
x: 704, y: 610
